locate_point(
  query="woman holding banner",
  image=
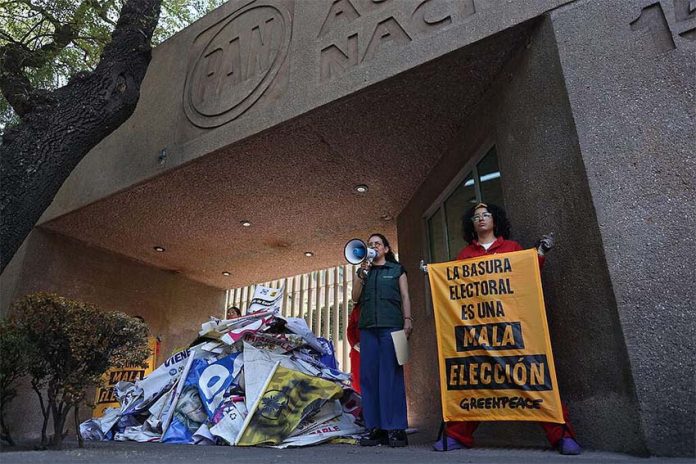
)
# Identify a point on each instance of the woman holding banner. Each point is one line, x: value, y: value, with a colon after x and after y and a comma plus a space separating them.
x: 486, y: 229
x: 382, y: 291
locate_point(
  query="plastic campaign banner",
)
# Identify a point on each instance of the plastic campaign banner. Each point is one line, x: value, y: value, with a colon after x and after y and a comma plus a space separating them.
x: 214, y: 380
x: 189, y: 410
x: 339, y: 426
x: 258, y: 364
x: 228, y: 419
x: 140, y: 396
x: 493, y: 340
x: 287, y: 398
x: 265, y: 298
x: 105, y: 396
x: 248, y: 325
x: 299, y: 326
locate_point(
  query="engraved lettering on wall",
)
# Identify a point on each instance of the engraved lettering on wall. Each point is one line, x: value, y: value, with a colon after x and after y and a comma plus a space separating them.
x: 387, y: 32
x: 684, y: 10
x: 341, y: 11
x: 237, y: 65
x: 685, y: 15
x: 358, y: 31
x: 653, y: 22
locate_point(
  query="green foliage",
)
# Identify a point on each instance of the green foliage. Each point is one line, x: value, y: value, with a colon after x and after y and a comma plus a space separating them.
x: 68, y: 36
x: 13, y: 346
x: 71, y: 344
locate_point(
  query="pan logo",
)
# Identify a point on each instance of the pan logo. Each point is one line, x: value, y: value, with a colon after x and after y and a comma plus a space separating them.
x: 238, y: 64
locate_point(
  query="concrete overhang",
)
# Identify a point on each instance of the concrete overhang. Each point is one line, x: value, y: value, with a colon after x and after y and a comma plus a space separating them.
x: 201, y: 153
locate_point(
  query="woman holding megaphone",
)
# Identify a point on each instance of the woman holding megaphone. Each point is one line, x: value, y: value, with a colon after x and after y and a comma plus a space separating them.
x: 382, y: 291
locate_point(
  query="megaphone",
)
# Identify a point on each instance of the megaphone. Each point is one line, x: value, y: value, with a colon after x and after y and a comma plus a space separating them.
x: 356, y: 251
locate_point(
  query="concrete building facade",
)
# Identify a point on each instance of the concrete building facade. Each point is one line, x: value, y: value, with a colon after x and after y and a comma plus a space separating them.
x: 578, y: 116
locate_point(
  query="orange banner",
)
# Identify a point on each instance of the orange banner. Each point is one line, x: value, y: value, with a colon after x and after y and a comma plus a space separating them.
x: 104, y: 397
x: 493, y: 340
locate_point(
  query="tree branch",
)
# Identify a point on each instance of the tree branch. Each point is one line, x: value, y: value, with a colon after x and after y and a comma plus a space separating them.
x: 39, y: 154
x: 7, y: 37
x: 16, y: 57
x: 42, y: 11
x: 14, y: 83
x: 32, y: 29
x: 103, y: 11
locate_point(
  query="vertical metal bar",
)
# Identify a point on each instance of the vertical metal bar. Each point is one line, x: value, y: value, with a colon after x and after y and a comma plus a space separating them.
x: 336, y: 321
x: 301, y: 298
x: 224, y: 307
x: 287, y: 297
x: 284, y: 299
x: 345, y: 359
x: 445, y: 235
x: 305, y: 294
x: 311, y: 288
x: 295, y: 297
x: 291, y: 283
x: 318, y: 308
x: 242, y: 299
x: 477, y: 183
x: 327, y: 304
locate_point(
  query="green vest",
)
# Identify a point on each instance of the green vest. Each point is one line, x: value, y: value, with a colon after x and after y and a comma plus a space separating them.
x: 380, y: 301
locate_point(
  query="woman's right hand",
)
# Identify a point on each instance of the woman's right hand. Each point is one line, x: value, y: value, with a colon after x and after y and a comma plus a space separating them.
x: 364, y: 269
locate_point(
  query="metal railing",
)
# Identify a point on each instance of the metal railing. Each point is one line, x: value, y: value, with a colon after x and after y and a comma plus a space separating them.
x: 321, y: 297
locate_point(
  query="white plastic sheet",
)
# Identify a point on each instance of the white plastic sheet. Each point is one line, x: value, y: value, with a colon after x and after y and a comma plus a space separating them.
x: 337, y: 427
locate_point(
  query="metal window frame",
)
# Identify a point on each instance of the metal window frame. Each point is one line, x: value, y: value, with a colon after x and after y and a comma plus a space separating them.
x: 470, y: 167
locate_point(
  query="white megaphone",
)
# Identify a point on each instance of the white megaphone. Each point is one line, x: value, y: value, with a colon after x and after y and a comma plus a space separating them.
x: 356, y: 251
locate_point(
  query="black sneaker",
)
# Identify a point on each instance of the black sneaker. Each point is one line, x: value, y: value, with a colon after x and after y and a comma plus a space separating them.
x: 374, y: 437
x: 397, y: 438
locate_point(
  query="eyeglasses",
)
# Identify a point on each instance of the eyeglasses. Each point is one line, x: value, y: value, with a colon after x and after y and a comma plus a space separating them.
x: 481, y: 217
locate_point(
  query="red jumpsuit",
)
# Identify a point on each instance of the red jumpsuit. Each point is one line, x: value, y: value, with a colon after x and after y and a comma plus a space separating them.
x: 353, y: 334
x: 463, y: 431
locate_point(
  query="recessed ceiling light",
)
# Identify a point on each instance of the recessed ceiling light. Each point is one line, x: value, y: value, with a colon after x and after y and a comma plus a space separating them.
x: 245, y: 223
x: 225, y: 273
x: 308, y: 254
x: 159, y: 249
x: 362, y: 188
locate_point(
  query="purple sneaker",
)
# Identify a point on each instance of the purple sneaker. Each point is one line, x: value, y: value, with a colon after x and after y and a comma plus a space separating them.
x: 569, y: 447
x: 451, y: 444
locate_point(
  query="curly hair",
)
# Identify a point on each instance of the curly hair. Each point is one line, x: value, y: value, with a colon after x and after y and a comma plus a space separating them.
x: 390, y: 255
x: 501, y: 225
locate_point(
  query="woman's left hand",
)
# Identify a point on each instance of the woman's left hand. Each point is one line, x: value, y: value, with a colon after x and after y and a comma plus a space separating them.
x: 408, y: 327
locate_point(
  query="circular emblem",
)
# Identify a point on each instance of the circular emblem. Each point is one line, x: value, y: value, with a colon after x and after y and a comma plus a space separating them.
x: 273, y: 402
x: 172, y: 371
x: 237, y: 65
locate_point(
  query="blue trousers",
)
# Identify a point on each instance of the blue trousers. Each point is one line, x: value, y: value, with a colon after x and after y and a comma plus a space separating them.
x: 381, y: 381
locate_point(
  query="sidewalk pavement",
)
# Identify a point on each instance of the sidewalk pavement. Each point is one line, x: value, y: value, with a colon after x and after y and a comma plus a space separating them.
x: 154, y: 453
